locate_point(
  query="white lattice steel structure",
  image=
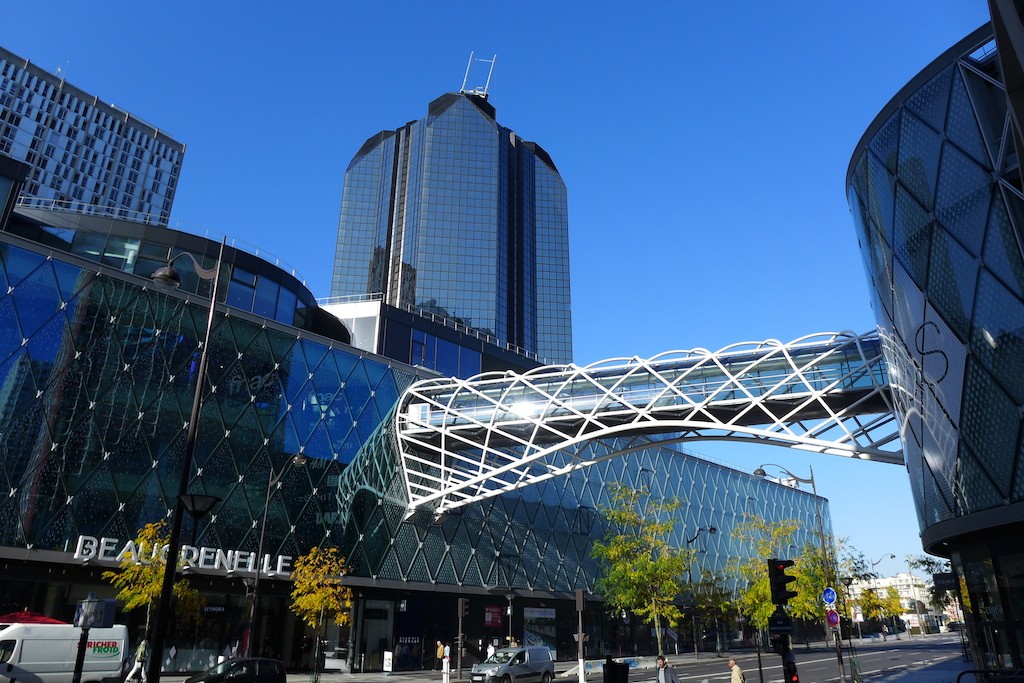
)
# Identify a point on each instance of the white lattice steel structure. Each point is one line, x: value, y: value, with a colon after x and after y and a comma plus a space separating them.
x: 464, y: 440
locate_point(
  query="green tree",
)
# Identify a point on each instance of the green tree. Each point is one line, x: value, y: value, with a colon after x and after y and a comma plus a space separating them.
x: 939, y: 598
x: 641, y: 572
x: 891, y: 604
x: 139, y: 578
x: 766, y: 539
x: 714, y: 602
x: 318, y: 591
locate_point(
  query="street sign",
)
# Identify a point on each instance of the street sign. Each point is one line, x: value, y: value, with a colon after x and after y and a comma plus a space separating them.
x: 828, y: 595
x: 780, y: 625
x: 832, y: 617
x: 944, y: 581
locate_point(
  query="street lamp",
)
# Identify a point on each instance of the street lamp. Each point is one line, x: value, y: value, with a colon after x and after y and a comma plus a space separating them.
x: 508, y: 613
x: 826, y: 556
x: 272, y: 479
x: 169, y: 277
x: 711, y: 530
x: 874, y: 564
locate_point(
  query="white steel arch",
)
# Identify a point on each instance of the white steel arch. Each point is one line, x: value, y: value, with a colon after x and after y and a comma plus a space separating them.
x: 464, y: 440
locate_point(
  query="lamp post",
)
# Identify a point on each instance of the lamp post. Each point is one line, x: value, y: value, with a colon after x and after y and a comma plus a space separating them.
x: 711, y: 530
x: 169, y: 277
x: 848, y: 610
x: 272, y: 479
x: 508, y: 613
x: 826, y: 556
x: 874, y: 564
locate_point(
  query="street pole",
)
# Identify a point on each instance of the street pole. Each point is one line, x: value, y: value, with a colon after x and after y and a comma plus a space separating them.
x: 163, y: 611
x: 254, y: 626
x: 579, y: 634
x: 826, y: 556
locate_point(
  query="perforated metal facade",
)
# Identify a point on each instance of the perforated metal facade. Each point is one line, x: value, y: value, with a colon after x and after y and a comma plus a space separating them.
x: 936, y: 196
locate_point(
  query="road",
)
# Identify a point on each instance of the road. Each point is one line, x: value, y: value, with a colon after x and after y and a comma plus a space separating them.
x: 934, y: 658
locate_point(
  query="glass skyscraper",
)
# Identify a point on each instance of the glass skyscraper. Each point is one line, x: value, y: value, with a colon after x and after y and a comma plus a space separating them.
x: 459, y: 217
x: 83, y: 153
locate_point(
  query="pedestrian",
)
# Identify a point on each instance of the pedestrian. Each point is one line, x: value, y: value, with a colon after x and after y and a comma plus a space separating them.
x: 666, y: 674
x: 439, y: 659
x: 140, y: 661
x: 447, y: 656
x: 737, y: 672
x: 885, y: 633
x: 490, y: 649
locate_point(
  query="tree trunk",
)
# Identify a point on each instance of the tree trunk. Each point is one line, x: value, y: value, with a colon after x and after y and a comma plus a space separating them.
x: 657, y: 626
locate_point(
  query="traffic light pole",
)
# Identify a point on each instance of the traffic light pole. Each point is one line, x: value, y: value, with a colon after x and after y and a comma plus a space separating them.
x: 463, y: 606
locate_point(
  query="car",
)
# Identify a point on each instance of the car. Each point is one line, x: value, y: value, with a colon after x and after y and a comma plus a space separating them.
x: 245, y: 670
x: 515, y: 665
x: 955, y: 626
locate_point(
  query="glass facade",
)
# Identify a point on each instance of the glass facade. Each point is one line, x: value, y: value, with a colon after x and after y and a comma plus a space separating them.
x: 97, y: 373
x: 457, y: 216
x: 936, y: 197
x: 84, y: 153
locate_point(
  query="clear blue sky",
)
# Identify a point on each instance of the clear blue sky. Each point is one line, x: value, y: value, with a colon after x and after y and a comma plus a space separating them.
x: 704, y: 146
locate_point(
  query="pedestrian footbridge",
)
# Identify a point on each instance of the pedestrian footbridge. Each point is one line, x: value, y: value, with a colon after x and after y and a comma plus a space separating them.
x: 464, y: 440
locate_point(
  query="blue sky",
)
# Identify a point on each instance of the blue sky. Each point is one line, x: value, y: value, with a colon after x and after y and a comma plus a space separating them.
x: 704, y: 146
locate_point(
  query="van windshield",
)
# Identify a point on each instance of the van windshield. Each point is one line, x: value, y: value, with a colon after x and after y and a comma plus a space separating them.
x: 501, y: 656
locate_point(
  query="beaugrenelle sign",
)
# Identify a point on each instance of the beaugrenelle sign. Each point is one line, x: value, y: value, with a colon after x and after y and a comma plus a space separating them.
x: 216, y: 559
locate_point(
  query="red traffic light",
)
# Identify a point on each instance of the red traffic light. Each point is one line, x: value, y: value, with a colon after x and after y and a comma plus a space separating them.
x: 777, y: 580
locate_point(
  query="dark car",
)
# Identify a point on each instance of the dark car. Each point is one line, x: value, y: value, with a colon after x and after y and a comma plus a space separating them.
x: 250, y: 670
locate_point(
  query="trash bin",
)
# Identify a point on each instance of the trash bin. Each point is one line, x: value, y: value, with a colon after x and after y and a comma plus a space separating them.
x: 615, y: 672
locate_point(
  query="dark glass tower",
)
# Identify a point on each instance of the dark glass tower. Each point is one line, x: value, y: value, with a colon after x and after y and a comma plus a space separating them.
x: 459, y: 217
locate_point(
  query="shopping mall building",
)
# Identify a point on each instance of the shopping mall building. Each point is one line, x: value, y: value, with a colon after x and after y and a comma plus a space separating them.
x: 98, y: 368
x: 936, y: 195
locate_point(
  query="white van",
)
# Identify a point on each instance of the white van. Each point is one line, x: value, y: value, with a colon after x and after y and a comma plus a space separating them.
x: 45, y: 653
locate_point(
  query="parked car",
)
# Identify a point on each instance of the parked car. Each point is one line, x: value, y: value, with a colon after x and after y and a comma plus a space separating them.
x: 955, y: 626
x: 515, y: 665
x: 248, y: 670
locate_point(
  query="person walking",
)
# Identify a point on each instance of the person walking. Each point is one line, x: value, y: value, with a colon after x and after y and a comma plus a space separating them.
x: 140, y: 661
x: 490, y: 649
x: 737, y: 672
x: 666, y: 674
x: 885, y: 633
x: 439, y: 656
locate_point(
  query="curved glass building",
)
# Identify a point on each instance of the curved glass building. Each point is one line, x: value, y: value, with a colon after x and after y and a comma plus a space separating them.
x: 98, y: 368
x: 935, y: 191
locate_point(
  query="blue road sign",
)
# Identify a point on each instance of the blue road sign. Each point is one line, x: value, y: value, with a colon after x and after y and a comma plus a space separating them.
x: 828, y: 595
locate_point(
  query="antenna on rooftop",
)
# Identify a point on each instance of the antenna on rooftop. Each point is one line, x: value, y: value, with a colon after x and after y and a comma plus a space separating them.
x: 482, y: 91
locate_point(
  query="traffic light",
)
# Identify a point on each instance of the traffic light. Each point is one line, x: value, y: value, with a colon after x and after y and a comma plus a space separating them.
x: 789, y: 674
x: 464, y: 607
x: 777, y: 580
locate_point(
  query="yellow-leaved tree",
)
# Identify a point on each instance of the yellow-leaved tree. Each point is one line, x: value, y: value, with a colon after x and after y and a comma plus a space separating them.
x: 139, y: 578
x: 767, y: 539
x: 640, y: 571
x: 318, y: 592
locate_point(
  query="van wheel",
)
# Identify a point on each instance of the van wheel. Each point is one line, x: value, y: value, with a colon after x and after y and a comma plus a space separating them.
x: 506, y: 679
x: 546, y: 678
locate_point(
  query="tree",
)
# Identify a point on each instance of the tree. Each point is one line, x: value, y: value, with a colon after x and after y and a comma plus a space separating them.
x: 870, y: 603
x: 640, y: 571
x: 892, y: 606
x: 318, y: 591
x: 939, y: 598
x: 767, y: 539
x: 714, y: 602
x: 139, y: 578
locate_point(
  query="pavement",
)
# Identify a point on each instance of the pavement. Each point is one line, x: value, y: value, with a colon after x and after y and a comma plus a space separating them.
x: 943, y: 665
